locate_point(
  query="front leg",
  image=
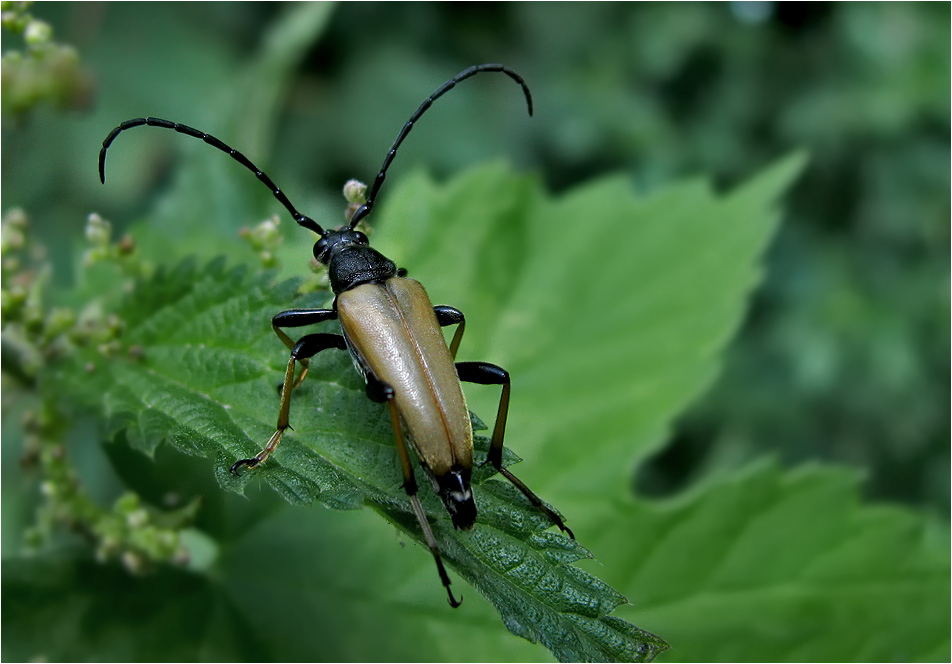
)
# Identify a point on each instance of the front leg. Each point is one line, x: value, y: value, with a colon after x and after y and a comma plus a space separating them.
x: 309, y: 346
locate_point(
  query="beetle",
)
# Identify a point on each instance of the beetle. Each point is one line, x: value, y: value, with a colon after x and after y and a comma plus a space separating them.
x: 393, y: 333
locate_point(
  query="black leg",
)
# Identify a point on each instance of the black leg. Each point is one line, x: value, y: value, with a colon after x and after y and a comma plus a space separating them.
x: 298, y: 318
x: 484, y: 373
x: 450, y: 316
x: 309, y: 346
x: 380, y: 391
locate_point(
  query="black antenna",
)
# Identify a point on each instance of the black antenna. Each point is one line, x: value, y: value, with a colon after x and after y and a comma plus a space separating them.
x: 365, y: 209
x: 303, y: 220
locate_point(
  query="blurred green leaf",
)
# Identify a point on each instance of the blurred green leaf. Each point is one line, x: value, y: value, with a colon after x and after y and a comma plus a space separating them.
x: 100, y: 615
x: 767, y: 565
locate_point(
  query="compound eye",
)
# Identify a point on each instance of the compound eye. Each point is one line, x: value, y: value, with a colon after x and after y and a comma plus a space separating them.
x: 360, y: 238
x: 320, y: 250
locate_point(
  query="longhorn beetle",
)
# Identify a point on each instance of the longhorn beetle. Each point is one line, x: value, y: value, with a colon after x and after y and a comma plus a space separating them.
x: 392, y: 330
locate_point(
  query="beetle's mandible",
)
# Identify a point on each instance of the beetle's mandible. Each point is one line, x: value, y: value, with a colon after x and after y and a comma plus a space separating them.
x: 392, y: 330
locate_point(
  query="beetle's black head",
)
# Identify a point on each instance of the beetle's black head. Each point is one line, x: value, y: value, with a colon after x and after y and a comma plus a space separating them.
x: 457, y: 494
x: 336, y: 240
x: 350, y: 260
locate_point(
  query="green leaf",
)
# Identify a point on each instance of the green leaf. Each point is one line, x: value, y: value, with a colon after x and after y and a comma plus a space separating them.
x: 199, y: 383
x: 772, y: 566
x: 99, y: 615
x: 608, y: 309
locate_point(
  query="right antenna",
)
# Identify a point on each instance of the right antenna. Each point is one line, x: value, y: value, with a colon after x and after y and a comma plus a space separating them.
x: 365, y: 209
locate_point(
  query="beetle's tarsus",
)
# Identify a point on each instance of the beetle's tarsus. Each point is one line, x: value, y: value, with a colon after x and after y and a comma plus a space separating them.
x: 557, y: 520
x: 235, y: 467
x: 452, y: 600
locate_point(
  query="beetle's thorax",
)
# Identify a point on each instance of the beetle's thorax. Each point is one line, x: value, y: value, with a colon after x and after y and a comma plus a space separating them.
x: 351, y: 261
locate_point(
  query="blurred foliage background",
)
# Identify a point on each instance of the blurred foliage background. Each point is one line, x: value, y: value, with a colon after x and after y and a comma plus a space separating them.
x: 844, y: 355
